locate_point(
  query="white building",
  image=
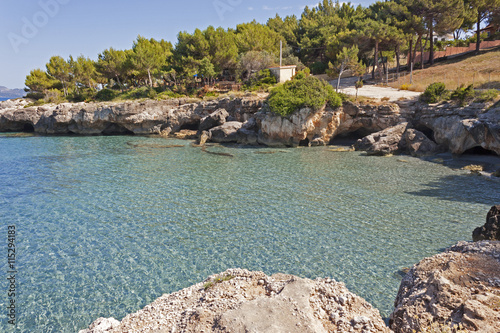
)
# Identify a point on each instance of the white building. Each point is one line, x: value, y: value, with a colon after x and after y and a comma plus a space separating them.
x: 284, y: 73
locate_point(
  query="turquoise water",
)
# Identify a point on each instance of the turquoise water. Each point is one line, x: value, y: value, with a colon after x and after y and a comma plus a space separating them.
x: 105, y: 225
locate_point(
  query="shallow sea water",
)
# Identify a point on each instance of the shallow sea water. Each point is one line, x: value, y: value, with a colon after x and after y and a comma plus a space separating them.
x: 105, y: 225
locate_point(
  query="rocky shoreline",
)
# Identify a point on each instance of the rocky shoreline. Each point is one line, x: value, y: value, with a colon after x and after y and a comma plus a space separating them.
x: 402, y: 127
x: 457, y: 290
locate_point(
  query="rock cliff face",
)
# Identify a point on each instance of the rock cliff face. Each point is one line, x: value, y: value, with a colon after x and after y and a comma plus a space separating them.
x: 429, y: 128
x: 243, y: 301
x: 133, y: 117
x: 460, y: 128
x: 459, y: 286
x: 320, y: 127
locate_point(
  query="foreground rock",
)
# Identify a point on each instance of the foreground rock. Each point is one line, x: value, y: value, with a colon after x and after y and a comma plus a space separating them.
x: 245, y: 301
x: 397, y: 139
x: 491, y: 230
x: 459, y: 286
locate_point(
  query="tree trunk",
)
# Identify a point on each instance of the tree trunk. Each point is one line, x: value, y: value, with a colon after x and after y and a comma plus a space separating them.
x: 382, y: 69
x: 150, y: 81
x: 478, y: 41
x: 338, y: 81
x: 419, y: 40
x: 397, y: 59
x: 375, y: 60
x: 421, y: 54
x: 410, y: 55
x: 431, y: 37
x: 119, y: 83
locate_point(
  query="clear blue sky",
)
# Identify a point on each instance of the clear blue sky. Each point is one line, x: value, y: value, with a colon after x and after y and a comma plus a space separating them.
x: 34, y: 30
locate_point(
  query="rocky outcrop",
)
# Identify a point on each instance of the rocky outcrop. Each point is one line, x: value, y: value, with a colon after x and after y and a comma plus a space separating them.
x: 132, y: 117
x: 491, y: 230
x: 308, y: 127
x: 417, y: 143
x: 384, y: 142
x: 460, y: 128
x: 243, y: 301
x: 226, y: 133
x: 397, y: 139
x: 459, y: 286
x: 214, y: 119
x: 430, y: 127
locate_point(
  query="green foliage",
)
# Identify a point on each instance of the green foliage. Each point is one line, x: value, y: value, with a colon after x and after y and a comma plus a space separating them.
x: 309, y: 92
x: 488, y: 95
x: 139, y: 93
x: 254, y: 36
x: 434, y: 93
x: 114, y: 64
x: 149, y: 56
x: 218, y: 279
x: 105, y: 95
x: 252, y: 62
x: 38, y: 82
x: 319, y: 68
x: 463, y: 95
x: 59, y: 69
x: 260, y: 81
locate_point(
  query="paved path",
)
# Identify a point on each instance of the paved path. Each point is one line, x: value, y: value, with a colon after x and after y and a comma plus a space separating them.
x: 373, y: 91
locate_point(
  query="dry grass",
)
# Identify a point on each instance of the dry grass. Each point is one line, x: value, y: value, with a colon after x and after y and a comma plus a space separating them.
x: 482, y: 70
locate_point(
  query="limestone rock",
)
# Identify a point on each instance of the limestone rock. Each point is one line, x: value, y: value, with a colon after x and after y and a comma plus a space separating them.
x: 245, y: 301
x: 101, y: 325
x: 459, y: 286
x: 384, y: 142
x: 491, y: 230
x: 225, y: 133
x: 214, y: 119
x: 417, y: 143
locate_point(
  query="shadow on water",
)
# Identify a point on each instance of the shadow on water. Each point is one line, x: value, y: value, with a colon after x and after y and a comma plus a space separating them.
x: 462, y: 188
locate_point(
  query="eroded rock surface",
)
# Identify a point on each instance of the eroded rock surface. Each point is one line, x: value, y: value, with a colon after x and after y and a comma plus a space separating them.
x: 459, y: 286
x: 491, y: 229
x: 255, y: 302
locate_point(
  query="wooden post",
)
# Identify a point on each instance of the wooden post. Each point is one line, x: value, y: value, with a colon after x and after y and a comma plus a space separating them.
x: 411, y: 74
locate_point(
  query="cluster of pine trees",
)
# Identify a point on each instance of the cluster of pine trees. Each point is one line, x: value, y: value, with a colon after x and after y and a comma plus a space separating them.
x: 317, y: 38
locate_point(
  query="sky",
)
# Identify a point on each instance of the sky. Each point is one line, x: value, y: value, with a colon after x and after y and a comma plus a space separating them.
x: 32, y: 31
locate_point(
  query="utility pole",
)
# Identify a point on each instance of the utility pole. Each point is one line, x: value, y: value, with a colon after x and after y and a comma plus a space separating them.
x: 281, y: 53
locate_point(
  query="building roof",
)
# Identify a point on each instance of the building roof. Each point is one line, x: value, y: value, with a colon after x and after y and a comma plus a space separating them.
x: 283, y: 67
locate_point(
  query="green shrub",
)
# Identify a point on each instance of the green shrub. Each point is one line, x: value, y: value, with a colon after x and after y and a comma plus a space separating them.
x: 105, y: 95
x: 488, y: 95
x: 309, y: 92
x: 463, y: 95
x: 262, y: 80
x: 319, y: 68
x: 434, y: 93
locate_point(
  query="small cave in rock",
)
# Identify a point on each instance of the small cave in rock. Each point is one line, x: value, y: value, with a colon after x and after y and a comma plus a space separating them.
x: 193, y: 126
x: 427, y: 131
x: 116, y: 129
x: 479, y: 151
x: 28, y: 128
x: 304, y: 143
x: 350, y: 138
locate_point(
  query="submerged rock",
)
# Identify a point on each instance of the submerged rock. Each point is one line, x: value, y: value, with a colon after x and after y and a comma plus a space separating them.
x: 459, y: 286
x: 242, y: 301
x: 491, y: 230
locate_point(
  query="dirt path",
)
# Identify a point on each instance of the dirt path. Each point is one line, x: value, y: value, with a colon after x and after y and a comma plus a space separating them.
x: 373, y: 91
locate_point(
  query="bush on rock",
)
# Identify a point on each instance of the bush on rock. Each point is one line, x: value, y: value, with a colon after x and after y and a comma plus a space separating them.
x: 304, y: 92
